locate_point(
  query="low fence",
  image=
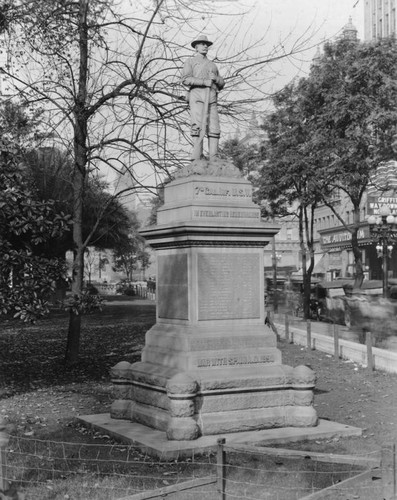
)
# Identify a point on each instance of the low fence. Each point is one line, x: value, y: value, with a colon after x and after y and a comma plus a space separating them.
x: 367, y: 355
x: 106, y: 288
x: 51, y: 469
x: 142, y: 290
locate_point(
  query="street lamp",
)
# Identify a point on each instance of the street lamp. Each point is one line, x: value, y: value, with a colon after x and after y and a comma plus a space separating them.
x: 276, y: 257
x: 383, y: 231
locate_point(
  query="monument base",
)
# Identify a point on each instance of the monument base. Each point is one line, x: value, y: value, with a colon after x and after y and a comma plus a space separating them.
x: 210, y: 365
x: 187, y: 405
x: 155, y: 443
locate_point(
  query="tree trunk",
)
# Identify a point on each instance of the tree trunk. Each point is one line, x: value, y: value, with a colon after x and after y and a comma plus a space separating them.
x: 359, y: 277
x: 275, y: 291
x: 309, y: 230
x: 79, y: 177
x: 305, y: 277
x: 73, y: 341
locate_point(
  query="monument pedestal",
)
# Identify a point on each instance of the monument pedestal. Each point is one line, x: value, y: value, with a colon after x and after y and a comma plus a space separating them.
x: 210, y: 365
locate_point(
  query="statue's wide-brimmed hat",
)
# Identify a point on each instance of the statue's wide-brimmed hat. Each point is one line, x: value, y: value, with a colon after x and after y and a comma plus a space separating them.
x: 201, y: 39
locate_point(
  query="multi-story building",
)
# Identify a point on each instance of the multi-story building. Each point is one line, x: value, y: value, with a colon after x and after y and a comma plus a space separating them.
x: 379, y: 19
x: 5, y: 87
x: 285, y: 253
x: 333, y: 239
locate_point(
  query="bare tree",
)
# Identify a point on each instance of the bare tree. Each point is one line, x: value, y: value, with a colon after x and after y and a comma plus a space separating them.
x: 106, y: 73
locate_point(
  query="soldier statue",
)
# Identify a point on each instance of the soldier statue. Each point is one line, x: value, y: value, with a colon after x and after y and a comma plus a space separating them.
x: 202, y: 78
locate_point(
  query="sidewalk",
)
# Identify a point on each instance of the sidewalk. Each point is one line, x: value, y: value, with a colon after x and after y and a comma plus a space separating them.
x: 330, y: 338
x: 320, y: 327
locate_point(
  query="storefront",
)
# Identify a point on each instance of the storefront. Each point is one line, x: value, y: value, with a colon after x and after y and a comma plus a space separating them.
x: 338, y: 254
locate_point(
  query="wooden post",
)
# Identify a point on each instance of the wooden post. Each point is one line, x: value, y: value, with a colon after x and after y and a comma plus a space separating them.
x: 309, y: 334
x: 220, y: 468
x: 370, y: 358
x: 286, y: 327
x: 3, y: 463
x: 388, y: 465
x: 336, y: 342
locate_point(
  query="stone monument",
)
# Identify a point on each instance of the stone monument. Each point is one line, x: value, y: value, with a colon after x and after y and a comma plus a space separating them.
x: 210, y: 365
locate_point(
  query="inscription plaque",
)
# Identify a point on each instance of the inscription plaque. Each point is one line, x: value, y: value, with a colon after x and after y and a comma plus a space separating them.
x: 227, y: 214
x: 172, y: 287
x: 222, y: 191
x: 236, y: 360
x: 228, y: 286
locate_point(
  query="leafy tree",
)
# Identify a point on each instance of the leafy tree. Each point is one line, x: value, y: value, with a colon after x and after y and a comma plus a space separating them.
x: 105, y: 223
x: 27, y: 275
x: 350, y: 101
x: 328, y: 134
x: 20, y: 125
x: 144, y: 259
x: 130, y: 255
x: 246, y: 157
x: 109, y: 80
x: 286, y: 181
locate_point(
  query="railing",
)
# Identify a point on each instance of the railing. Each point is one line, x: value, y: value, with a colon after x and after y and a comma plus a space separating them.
x: 365, y: 354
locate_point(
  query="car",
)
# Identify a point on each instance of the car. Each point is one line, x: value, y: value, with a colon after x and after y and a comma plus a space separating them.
x: 362, y: 310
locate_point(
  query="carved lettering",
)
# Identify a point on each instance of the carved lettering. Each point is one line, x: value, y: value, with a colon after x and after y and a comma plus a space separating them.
x: 226, y: 214
x: 229, y: 286
x: 222, y: 192
x: 235, y: 360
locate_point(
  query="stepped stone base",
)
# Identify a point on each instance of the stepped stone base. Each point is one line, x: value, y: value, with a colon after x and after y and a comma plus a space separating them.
x: 186, y: 405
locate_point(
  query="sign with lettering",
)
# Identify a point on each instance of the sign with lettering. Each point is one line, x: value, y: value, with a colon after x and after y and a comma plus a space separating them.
x: 341, y: 238
x: 228, y: 286
x: 374, y: 203
x: 248, y: 359
x: 227, y: 214
x: 222, y: 191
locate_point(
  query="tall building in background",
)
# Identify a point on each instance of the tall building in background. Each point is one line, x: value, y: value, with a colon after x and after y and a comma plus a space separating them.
x: 5, y: 86
x: 379, y: 19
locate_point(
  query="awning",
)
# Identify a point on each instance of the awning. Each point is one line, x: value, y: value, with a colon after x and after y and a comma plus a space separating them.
x: 322, y: 265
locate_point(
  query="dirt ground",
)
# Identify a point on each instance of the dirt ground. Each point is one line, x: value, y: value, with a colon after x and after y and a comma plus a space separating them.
x: 350, y: 394
x: 46, y: 398
x: 345, y: 393
x: 38, y: 399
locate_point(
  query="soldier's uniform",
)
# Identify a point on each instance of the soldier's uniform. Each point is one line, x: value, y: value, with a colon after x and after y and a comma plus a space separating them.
x: 196, y: 71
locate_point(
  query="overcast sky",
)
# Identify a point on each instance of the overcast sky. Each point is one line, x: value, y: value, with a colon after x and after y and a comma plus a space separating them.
x: 329, y: 15
x: 309, y: 21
